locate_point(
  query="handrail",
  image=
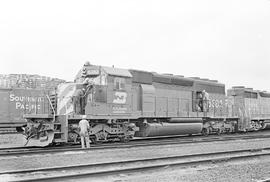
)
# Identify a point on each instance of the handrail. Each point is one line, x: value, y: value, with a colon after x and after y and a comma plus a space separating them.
x: 51, y: 107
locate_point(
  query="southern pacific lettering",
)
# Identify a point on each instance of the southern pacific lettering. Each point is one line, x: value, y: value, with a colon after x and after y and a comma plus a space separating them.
x: 26, y: 102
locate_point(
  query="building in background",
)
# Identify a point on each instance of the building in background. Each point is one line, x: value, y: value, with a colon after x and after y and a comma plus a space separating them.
x: 28, y: 81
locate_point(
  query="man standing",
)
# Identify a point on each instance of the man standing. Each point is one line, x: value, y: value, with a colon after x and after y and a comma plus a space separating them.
x: 84, y: 129
x: 205, y: 101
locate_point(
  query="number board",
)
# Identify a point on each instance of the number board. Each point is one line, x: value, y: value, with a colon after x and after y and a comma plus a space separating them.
x: 92, y: 72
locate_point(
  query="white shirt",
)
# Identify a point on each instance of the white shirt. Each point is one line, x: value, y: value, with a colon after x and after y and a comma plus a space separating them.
x: 84, y: 126
x: 205, y: 96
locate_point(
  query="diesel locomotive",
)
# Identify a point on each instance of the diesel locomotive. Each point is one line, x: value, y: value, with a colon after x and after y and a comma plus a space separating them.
x: 121, y: 104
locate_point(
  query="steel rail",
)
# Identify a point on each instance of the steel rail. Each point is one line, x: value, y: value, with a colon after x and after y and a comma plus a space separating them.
x: 129, y: 166
x: 41, y: 151
x: 160, y: 138
x: 264, y: 180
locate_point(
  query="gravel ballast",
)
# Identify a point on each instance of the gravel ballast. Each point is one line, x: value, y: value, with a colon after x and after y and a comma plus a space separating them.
x: 109, y: 155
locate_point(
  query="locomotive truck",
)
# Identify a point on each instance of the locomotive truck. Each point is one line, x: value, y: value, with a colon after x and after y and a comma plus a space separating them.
x: 121, y: 104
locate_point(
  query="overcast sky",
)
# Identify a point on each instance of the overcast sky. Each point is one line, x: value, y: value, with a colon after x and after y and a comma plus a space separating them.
x: 226, y: 40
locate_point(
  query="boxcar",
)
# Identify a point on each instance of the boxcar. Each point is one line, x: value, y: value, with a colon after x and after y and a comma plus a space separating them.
x: 15, y: 102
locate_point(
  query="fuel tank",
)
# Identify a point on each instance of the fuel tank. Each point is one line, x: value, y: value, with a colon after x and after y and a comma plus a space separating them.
x: 175, y: 126
x: 266, y: 125
x: 185, y: 120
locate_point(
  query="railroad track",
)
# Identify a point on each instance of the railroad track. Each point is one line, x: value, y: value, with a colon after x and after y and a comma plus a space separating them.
x: 134, y: 143
x: 264, y: 180
x: 128, y: 166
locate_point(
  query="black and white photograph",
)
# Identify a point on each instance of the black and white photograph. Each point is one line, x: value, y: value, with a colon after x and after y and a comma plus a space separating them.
x: 135, y: 90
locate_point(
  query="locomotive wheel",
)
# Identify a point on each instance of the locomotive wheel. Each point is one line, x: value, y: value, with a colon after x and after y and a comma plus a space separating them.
x: 218, y: 131
x: 73, y: 137
x: 258, y: 127
x: 205, y: 131
x: 124, y: 139
x: 229, y: 131
x: 94, y: 140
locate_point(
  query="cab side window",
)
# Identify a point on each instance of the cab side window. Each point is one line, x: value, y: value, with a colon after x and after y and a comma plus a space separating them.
x: 200, y: 101
x: 119, y: 83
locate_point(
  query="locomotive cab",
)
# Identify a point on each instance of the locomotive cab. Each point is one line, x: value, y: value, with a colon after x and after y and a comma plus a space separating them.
x: 200, y: 101
x: 107, y: 102
x: 107, y: 90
